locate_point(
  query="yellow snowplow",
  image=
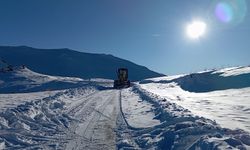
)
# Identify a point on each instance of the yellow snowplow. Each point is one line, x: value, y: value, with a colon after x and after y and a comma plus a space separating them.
x: 122, y: 81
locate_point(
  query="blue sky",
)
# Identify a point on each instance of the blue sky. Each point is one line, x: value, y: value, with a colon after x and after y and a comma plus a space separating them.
x: 147, y: 32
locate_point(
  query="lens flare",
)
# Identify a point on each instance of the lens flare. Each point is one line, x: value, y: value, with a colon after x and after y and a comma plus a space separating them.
x: 230, y: 12
x: 224, y: 12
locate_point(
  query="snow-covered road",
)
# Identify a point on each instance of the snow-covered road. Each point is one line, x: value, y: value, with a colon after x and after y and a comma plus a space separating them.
x: 152, y: 114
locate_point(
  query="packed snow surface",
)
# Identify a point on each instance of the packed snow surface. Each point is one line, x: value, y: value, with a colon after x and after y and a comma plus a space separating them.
x: 138, y: 113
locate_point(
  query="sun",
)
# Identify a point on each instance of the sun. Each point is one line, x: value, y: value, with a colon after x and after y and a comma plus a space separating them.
x: 196, y: 29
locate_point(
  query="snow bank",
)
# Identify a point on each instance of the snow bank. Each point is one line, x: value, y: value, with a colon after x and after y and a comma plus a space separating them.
x: 32, y: 123
x: 39, y: 123
x: 138, y: 112
x: 180, y: 129
x: 13, y: 100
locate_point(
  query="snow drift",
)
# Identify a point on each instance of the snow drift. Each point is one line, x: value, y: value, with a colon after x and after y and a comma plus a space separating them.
x: 230, y: 78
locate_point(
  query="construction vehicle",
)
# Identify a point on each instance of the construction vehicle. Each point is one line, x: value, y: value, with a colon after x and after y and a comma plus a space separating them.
x: 122, y: 81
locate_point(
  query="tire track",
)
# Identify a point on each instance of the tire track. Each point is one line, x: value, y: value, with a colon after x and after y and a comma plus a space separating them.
x: 123, y: 129
x: 93, y: 121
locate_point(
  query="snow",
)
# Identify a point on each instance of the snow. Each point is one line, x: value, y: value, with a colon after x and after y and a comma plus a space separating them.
x: 56, y: 119
x: 61, y: 120
x: 96, y: 119
x: 230, y: 107
x: 178, y: 129
x: 233, y: 71
x: 138, y: 112
x: 13, y: 100
x: 157, y: 113
x: 24, y: 80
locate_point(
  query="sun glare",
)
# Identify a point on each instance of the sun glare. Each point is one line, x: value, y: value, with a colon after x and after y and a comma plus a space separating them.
x: 196, y: 29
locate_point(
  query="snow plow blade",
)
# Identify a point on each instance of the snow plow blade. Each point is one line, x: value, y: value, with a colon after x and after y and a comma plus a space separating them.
x: 119, y: 85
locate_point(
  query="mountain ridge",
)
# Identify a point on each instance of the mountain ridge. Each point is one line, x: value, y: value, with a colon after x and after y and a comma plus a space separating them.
x: 72, y: 63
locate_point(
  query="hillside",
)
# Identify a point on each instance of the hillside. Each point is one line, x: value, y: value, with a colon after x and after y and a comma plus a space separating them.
x: 24, y: 80
x: 70, y: 63
x: 211, y: 80
x: 221, y: 95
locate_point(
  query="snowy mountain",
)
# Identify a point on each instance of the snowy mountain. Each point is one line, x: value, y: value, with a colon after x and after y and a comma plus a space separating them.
x: 66, y: 62
x: 157, y: 113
